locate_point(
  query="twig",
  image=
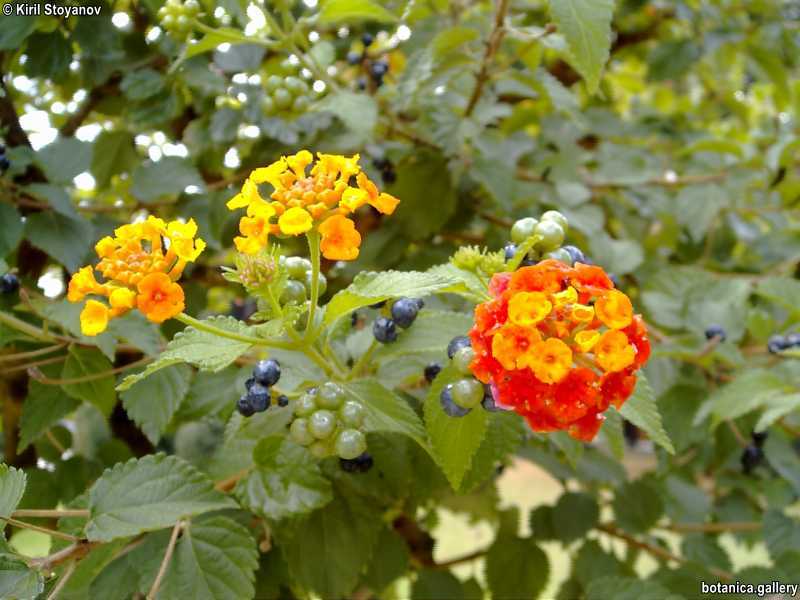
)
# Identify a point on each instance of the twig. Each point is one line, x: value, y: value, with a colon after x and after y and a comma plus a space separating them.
x: 50, y: 532
x: 714, y: 527
x: 226, y: 485
x: 462, y: 559
x: 737, y: 434
x: 34, y: 364
x: 48, y: 381
x: 53, y: 440
x: 492, y: 44
x: 62, y: 581
x: 162, y: 570
x: 51, y: 514
x: 31, y: 354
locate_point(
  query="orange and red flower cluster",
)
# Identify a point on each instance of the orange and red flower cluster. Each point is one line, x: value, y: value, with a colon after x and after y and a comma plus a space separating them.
x: 140, y: 265
x: 558, y: 344
x: 302, y: 201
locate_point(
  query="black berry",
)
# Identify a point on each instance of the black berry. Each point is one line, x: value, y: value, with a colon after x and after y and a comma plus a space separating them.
x: 630, y: 432
x: 5, y: 164
x: 776, y: 343
x: 267, y: 372
x: 384, y: 330
x: 353, y: 58
x: 431, y: 371
x: 361, y: 83
x: 379, y: 68
x: 404, y: 312
x: 751, y: 458
x: 381, y: 163
x: 259, y: 397
x: 367, y: 39
x: 283, y: 400
x: 759, y: 437
x: 716, y: 331
x: 9, y: 284
x: 792, y: 340
x: 575, y: 254
x: 456, y: 344
x: 450, y: 408
x: 509, y: 250
x: 359, y: 464
x: 245, y: 406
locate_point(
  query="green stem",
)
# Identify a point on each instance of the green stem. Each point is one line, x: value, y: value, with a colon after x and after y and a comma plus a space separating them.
x: 247, y: 339
x: 522, y: 251
x: 25, y: 328
x: 313, y: 251
x: 363, y: 360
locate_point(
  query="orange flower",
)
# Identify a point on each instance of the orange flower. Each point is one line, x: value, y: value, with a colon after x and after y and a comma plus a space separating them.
x: 614, y: 309
x: 159, y: 297
x: 550, y: 360
x: 340, y: 240
x: 511, y: 343
x: 613, y: 351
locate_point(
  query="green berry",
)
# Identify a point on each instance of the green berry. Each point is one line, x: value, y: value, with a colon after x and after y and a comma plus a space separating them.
x: 323, y: 282
x: 273, y: 83
x: 322, y: 423
x: 268, y: 106
x: 300, y: 433
x: 297, y: 266
x: 554, y: 215
x: 168, y: 22
x: 183, y: 23
x: 305, y: 405
x: 294, y: 292
x: 352, y: 413
x: 523, y: 229
x: 330, y: 395
x: 350, y: 443
x: 282, y: 98
x: 301, y: 104
x: 463, y: 358
x: 467, y: 392
x: 560, y: 255
x: 288, y: 67
x: 320, y: 449
x: 295, y: 85
x: 552, y: 235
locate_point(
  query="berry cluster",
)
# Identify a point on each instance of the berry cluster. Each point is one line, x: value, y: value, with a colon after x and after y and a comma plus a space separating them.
x: 4, y: 162
x: 328, y: 423
x: 753, y: 454
x: 459, y: 398
x: 375, y: 68
x: 177, y: 18
x: 285, y: 96
x: 258, y: 396
x: 550, y: 230
x: 298, y: 286
x: 403, y: 314
x: 778, y: 343
x: 9, y: 284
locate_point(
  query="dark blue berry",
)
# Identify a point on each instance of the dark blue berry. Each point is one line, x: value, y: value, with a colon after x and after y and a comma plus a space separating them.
x: 259, y: 397
x: 283, y: 400
x: 384, y: 330
x: 527, y: 262
x: 249, y: 383
x: 575, y: 254
x: 509, y: 250
x: 751, y: 458
x: 361, y: 83
x: 9, y: 284
x: 431, y: 371
x: 456, y: 344
x: 354, y: 58
x: 359, y: 464
x: 367, y: 39
x: 245, y: 406
x: 267, y: 372
x: 759, y: 437
x: 450, y: 408
x: 488, y: 402
x: 792, y: 340
x: 716, y: 331
x: 776, y: 343
x: 5, y: 164
x: 379, y: 68
x: 630, y: 432
x: 404, y: 312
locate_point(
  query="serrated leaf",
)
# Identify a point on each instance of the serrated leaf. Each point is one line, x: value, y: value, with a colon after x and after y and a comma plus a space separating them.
x: 45, y: 406
x: 64, y: 158
x: 215, y: 559
x: 781, y: 290
x: 287, y: 481
x: 454, y: 440
x: 504, y: 435
x: 89, y: 362
x: 12, y: 487
x: 341, y: 536
x: 431, y: 332
x: 388, y: 564
x: 781, y: 533
x: 17, y: 580
x: 206, y: 351
x: 212, y: 394
x: 11, y: 232
x: 152, y: 402
x: 641, y: 410
x: 211, y: 40
x: 385, y: 410
x: 637, y: 506
x: 135, y: 329
x: 586, y: 25
x: 132, y: 572
x: 370, y: 288
x: 349, y: 11
x: 516, y: 568
x: 147, y: 494
x: 612, y: 430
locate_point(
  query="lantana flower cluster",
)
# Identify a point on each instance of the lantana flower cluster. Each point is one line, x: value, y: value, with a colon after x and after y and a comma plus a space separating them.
x: 140, y: 266
x: 558, y: 345
x: 300, y: 202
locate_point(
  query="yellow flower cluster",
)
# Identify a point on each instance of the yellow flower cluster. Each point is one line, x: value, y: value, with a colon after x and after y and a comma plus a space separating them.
x: 140, y: 265
x: 323, y: 197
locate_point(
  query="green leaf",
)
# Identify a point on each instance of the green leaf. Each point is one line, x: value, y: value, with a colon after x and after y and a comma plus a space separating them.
x: 45, y: 406
x: 431, y: 332
x: 516, y: 568
x: 641, y: 410
x: 215, y: 559
x: 359, y: 112
x: 89, y: 362
x: 11, y: 232
x: 370, y: 287
x: 777, y: 407
x: 65, y: 239
x: 582, y: 514
x: 149, y: 493
x: 142, y: 84
x: 697, y: 206
x: 114, y: 153
x: 333, y: 12
x: 49, y: 55
x: 637, y: 506
x: 212, y: 394
x: 211, y: 40
x: 780, y: 290
x: 341, y: 536
x: 436, y: 585
x: 705, y: 550
x: 385, y: 410
x: 421, y: 179
x: 12, y: 486
x: 750, y: 390
x: 504, y: 435
x: 14, y: 29
x: 152, y: 402
x: 388, y: 564
x: 155, y: 181
x: 286, y: 483
x: 135, y: 329
x: 593, y: 562
x: 454, y: 440
x: 204, y: 350
x: 65, y: 158
x: 781, y: 533
x: 586, y: 25
x: 627, y: 588
x: 17, y: 581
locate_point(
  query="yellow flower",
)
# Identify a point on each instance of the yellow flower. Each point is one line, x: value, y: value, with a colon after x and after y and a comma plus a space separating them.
x: 94, y: 318
x: 122, y: 299
x: 182, y: 242
x: 270, y: 174
x: 528, y: 308
x: 512, y: 343
x: 105, y: 247
x: 614, y: 309
x: 585, y: 340
x: 384, y: 203
x: 549, y: 360
x: 247, y: 196
x: 340, y: 240
x: 81, y: 284
x: 582, y: 313
x: 298, y: 162
x: 613, y: 352
x: 295, y: 221
x: 568, y: 296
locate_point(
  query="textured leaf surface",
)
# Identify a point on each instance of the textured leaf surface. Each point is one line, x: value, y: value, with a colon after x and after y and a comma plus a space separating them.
x: 64, y: 238
x: 88, y: 363
x: 17, y: 580
x: 641, y: 410
x: 43, y: 408
x: 147, y: 494
x: 152, y: 402
x: 12, y: 486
